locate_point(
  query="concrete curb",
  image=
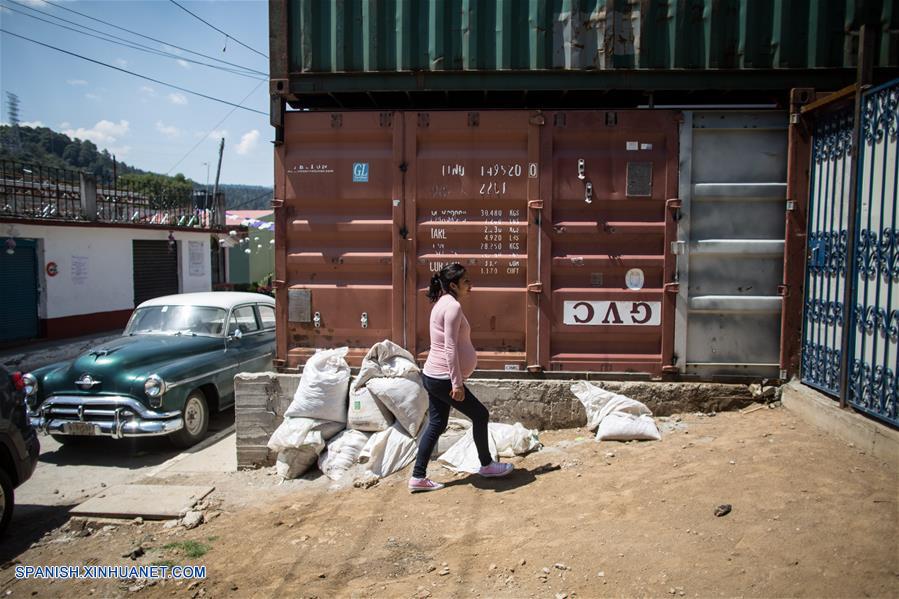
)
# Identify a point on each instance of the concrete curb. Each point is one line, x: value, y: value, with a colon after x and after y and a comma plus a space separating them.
x: 825, y: 413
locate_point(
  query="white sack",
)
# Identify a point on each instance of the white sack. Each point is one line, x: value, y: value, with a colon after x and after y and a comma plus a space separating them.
x: 504, y: 440
x: 322, y: 392
x: 455, y: 430
x: 615, y: 417
x: 406, y: 398
x: 296, y: 461
x: 341, y: 453
x: 366, y: 412
x: 293, y: 433
x: 385, y: 358
x: 388, y: 451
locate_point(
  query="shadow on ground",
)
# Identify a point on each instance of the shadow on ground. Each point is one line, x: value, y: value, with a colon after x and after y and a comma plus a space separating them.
x: 29, y: 523
x: 132, y: 453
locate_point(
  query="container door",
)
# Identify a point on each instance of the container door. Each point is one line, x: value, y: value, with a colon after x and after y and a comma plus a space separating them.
x: 341, y: 182
x: 731, y: 243
x: 611, y: 212
x: 18, y: 294
x: 155, y: 269
x: 466, y: 200
x: 874, y: 354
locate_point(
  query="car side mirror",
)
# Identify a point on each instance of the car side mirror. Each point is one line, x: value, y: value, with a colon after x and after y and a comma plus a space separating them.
x: 236, y: 335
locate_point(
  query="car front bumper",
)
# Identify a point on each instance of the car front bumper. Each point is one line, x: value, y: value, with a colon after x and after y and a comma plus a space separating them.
x: 110, y: 416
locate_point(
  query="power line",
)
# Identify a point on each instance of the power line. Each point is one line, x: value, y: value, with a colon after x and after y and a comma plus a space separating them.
x: 219, y: 30
x: 123, y: 42
x: 214, y: 127
x: 158, y: 41
x: 183, y: 89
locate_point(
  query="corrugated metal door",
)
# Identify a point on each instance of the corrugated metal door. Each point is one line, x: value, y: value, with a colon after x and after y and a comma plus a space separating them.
x: 874, y: 354
x: 155, y: 269
x: 824, y: 314
x: 467, y: 193
x: 18, y: 293
x: 731, y: 243
x: 613, y: 193
x: 339, y: 224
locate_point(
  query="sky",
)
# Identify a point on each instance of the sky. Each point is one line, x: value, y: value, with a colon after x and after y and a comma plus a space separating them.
x: 147, y: 124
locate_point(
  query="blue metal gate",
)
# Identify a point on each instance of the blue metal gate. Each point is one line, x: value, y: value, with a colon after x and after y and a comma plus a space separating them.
x: 18, y: 292
x: 872, y: 386
x: 826, y: 265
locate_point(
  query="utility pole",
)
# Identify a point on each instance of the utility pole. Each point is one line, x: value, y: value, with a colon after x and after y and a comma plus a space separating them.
x: 218, y: 172
x: 206, y: 188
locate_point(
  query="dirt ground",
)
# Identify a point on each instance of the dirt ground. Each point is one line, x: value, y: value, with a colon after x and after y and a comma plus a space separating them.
x: 812, y: 517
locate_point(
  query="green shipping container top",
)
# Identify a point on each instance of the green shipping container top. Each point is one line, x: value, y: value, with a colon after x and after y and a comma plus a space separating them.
x: 365, y: 46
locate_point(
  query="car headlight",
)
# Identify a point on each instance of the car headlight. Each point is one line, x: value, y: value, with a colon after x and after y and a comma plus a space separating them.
x: 154, y: 386
x: 29, y: 382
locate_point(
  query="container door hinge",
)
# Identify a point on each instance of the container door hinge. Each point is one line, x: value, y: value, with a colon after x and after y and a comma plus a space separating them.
x: 537, y: 119
x: 535, y: 287
x: 277, y: 284
x: 535, y: 204
x: 535, y: 368
x: 279, y: 363
x: 670, y: 369
x: 791, y: 205
x: 277, y: 204
x: 783, y: 290
x: 672, y: 287
x: 678, y: 248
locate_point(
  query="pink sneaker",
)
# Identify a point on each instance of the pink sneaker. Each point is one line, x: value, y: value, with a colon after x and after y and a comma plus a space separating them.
x: 420, y: 485
x: 496, y: 469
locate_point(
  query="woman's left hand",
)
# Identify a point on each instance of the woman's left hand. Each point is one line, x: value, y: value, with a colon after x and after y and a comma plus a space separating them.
x: 458, y: 394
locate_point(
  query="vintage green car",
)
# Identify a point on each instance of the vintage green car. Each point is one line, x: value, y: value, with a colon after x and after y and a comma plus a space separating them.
x: 174, y: 363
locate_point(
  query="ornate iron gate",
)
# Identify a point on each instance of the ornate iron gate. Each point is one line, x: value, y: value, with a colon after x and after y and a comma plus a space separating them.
x: 828, y: 232
x: 873, y: 347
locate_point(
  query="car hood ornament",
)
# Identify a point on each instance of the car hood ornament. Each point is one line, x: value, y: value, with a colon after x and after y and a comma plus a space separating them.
x: 86, y: 381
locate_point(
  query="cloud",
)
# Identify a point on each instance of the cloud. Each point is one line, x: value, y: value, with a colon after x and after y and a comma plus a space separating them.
x: 178, y: 98
x: 183, y: 63
x: 215, y: 134
x: 65, y: 125
x: 248, y: 142
x: 169, y: 131
x: 121, y: 62
x: 104, y: 134
x: 119, y: 151
x: 172, y: 50
x: 76, y: 81
x: 92, y: 97
x: 31, y: 124
x: 146, y: 89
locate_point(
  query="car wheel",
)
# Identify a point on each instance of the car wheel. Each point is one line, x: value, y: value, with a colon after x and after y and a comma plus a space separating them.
x: 7, y: 498
x: 195, y: 417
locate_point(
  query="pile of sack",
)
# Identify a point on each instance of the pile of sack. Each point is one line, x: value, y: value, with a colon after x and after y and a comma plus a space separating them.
x: 374, y: 419
x: 615, y: 417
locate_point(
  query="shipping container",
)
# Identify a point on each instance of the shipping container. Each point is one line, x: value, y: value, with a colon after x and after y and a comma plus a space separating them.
x: 569, y: 53
x: 628, y: 241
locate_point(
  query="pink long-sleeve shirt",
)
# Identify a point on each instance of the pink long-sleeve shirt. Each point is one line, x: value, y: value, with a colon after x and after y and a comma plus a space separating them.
x: 452, y: 356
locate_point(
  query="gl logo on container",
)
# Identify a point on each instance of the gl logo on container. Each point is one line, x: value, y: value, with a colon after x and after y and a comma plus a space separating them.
x: 360, y: 172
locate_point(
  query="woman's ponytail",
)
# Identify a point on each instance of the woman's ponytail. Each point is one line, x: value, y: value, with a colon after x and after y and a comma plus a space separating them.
x: 440, y: 282
x: 435, y: 289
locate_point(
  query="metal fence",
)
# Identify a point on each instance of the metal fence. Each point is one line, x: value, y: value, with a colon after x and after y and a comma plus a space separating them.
x: 873, y: 346
x: 46, y: 193
x: 867, y: 325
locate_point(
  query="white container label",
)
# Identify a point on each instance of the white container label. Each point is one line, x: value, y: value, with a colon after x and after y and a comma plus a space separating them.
x: 622, y: 313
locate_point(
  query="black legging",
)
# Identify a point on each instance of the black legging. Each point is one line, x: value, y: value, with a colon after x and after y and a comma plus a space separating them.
x: 441, y: 400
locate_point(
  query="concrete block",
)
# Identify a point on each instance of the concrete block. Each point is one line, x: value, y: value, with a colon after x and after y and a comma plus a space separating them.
x: 819, y: 410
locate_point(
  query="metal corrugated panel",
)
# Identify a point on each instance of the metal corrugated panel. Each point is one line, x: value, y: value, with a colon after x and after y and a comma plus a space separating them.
x: 359, y: 36
x: 731, y: 242
x: 155, y: 269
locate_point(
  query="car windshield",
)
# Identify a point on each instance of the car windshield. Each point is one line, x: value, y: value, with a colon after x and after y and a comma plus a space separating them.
x: 177, y: 320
